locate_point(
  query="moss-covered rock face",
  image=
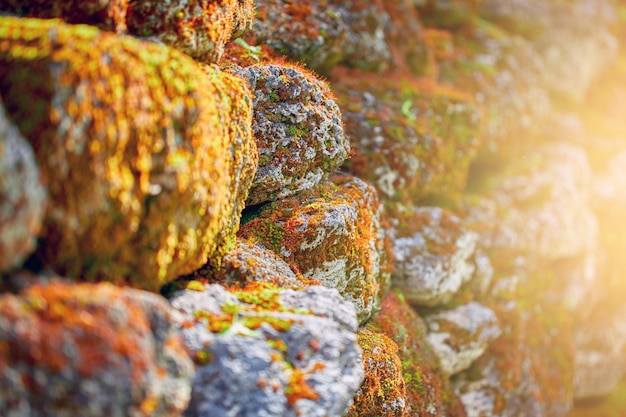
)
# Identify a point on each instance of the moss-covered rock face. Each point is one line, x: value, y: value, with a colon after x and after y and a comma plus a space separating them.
x: 331, y: 234
x: 248, y: 262
x: 124, y: 131
x: 410, y: 138
x: 433, y: 255
x: 461, y: 335
x: 199, y: 28
x: 540, y: 205
x: 427, y: 388
x: 298, y: 130
x: 90, y: 350
x: 22, y: 196
x: 383, y: 391
x: 106, y: 14
x: 263, y: 350
x: 369, y: 35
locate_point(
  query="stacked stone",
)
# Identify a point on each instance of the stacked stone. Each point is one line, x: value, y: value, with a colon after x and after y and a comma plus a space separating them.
x: 399, y: 240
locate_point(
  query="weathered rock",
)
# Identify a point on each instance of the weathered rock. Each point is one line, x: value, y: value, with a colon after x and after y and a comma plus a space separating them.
x: 600, y: 360
x: 433, y: 255
x: 265, y: 351
x: 199, y: 28
x: 609, y: 188
x: 298, y: 131
x: 540, y: 205
x: 553, y: 27
x: 90, y: 350
x: 461, y: 335
x: 121, y: 144
x: 106, y: 14
x: 369, y: 35
x: 247, y: 263
x: 332, y: 234
x: 410, y: 138
x: 428, y: 391
x: 383, y: 390
x: 22, y: 196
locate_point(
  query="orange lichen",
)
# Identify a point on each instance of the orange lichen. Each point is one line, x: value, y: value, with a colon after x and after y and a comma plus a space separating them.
x: 297, y: 388
x: 146, y: 128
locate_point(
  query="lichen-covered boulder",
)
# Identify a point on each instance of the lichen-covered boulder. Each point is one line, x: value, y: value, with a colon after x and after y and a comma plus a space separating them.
x: 22, y: 196
x: 428, y: 391
x: 433, y: 253
x: 106, y: 14
x: 92, y: 350
x: 265, y: 351
x: 297, y: 128
x: 383, y: 390
x: 199, y: 28
x: 146, y: 156
x: 599, y: 351
x: 411, y: 139
x: 332, y: 234
x: 369, y: 35
x: 461, y: 335
x: 540, y: 205
x: 248, y: 262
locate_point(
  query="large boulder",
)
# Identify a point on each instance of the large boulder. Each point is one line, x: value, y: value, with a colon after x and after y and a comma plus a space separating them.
x: 199, y: 28
x: 265, y: 351
x: 461, y: 335
x: 121, y: 144
x: 22, y: 196
x: 298, y: 130
x: 332, y: 234
x: 433, y: 253
x: 92, y: 350
x: 106, y: 14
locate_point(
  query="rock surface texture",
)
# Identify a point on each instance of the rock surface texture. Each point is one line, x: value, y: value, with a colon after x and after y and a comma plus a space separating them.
x: 264, y: 351
x: 354, y: 208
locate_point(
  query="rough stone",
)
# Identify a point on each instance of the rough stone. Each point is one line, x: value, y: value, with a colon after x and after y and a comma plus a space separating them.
x: 540, y: 204
x: 106, y: 14
x: 383, y: 390
x: 199, y: 28
x: 298, y: 130
x: 461, y: 335
x: 247, y: 263
x: 428, y: 391
x: 90, y: 350
x: 121, y: 144
x: 433, y: 255
x: 411, y: 139
x: 331, y: 234
x: 369, y: 35
x: 22, y: 196
x: 265, y: 351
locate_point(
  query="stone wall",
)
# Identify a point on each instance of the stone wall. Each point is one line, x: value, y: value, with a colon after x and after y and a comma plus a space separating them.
x: 311, y: 208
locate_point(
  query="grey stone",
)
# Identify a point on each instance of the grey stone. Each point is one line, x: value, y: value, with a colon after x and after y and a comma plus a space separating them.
x: 297, y: 128
x: 277, y: 352
x: 434, y: 261
x: 22, y: 196
x: 461, y: 335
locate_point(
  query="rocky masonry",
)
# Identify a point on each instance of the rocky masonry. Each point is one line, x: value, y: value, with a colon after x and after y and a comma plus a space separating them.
x: 230, y: 208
